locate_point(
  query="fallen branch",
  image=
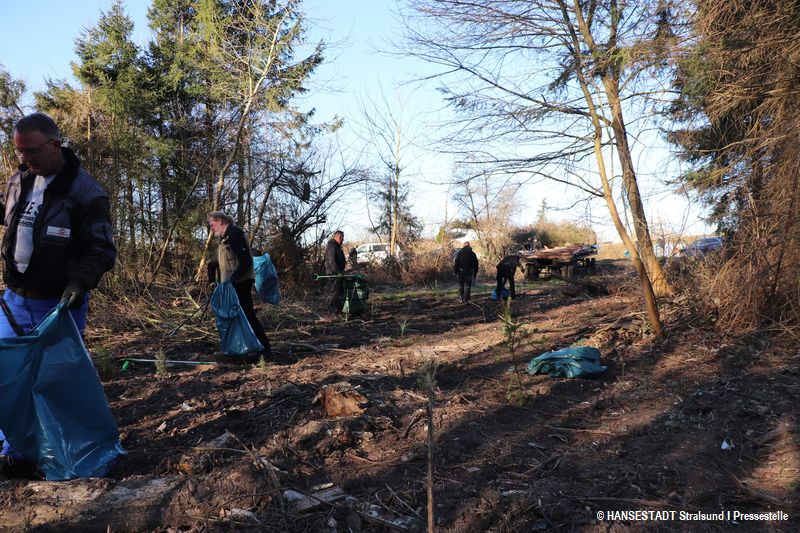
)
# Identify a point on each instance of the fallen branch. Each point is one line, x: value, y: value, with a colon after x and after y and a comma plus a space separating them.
x: 753, y: 493
x: 596, y: 431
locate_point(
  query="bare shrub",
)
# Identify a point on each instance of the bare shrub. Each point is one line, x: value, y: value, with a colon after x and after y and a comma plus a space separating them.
x: 436, y: 265
x: 560, y: 233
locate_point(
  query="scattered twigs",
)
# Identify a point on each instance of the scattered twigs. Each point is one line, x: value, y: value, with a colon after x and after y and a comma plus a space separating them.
x: 269, y: 475
x: 191, y: 316
x: 418, y: 415
x: 480, y: 308
x: 403, y: 503
x: 217, y: 449
x: 351, y: 453
x: 584, y: 430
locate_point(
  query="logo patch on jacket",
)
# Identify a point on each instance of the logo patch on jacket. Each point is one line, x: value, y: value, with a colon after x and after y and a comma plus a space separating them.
x: 54, y: 231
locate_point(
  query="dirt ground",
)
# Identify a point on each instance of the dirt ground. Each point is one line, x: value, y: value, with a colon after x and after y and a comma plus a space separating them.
x: 678, y: 430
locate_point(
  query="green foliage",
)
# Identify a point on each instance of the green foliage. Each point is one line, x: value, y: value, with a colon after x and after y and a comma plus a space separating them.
x: 409, y: 227
x: 203, y: 116
x: 541, y: 214
x: 426, y: 376
x: 11, y: 91
x: 540, y: 345
x: 718, y: 169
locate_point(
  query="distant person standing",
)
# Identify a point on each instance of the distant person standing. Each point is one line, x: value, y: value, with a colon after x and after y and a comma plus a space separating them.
x: 506, y: 269
x: 465, y: 266
x: 334, y: 266
x: 235, y: 260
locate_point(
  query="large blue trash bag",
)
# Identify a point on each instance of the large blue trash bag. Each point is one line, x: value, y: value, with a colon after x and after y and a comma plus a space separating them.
x: 266, y: 280
x: 579, y: 361
x: 504, y: 294
x: 235, y: 333
x: 54, y: 411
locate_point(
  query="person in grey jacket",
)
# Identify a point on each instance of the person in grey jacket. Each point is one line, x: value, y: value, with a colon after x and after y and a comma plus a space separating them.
x: 465, y: 266
x: 235, y: 264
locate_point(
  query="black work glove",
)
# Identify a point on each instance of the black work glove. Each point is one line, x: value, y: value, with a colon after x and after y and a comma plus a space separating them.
x: 212, y: 271
x: 73, y: 295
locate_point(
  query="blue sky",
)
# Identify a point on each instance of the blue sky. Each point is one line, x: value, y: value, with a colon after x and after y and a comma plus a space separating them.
x: 355, y: 31
x: 42, y: 43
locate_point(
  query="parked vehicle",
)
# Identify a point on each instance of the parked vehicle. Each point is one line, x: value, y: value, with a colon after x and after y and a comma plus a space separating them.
x: 375, y: 252
x: 566, y: 260
x: 702, y: 247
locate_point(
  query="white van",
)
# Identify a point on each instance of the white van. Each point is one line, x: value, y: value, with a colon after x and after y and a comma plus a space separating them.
x: 375, y: 252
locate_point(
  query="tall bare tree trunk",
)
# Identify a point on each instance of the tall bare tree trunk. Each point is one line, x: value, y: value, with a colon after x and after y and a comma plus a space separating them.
x: 651, y: 304
x: 640, y: 225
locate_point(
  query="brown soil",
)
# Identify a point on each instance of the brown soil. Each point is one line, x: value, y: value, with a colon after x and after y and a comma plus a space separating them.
x: 216, y: 447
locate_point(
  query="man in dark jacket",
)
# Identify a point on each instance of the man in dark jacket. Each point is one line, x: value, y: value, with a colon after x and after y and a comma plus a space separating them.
x: 465, y: 267
x: 505, y: 271
x: 334, y: 266
x: 57, y: 243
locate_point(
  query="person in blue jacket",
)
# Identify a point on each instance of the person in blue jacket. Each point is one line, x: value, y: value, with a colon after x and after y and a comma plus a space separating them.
x: 58, y: 241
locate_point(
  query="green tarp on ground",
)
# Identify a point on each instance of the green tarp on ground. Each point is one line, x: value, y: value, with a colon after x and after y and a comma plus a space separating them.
x: 580, y: 361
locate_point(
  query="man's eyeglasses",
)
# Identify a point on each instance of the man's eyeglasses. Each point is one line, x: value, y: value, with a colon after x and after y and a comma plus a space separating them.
x: 31, y: 151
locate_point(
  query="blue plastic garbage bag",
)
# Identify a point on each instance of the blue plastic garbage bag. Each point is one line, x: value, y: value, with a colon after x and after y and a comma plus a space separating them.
x: 504, y: 294
x: 235, y: 333
x: 266, y: 280
x: 580, y: 361
x: 54, y: 411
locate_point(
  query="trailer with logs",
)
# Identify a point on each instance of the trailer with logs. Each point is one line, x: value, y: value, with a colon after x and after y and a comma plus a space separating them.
x: 565, y: 261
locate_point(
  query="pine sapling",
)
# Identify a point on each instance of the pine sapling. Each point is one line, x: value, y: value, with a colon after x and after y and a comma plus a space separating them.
x: 403, y: 325
x: 161, y: 363
x: 511, y: 329
x: 427, y: 380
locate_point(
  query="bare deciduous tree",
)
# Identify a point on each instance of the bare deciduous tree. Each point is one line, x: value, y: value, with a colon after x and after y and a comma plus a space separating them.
x: 488, y: 208
x: 386, y: 126
x: 553, y: 79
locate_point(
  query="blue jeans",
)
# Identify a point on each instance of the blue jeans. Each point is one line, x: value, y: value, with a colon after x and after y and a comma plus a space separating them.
x: 28, y: 313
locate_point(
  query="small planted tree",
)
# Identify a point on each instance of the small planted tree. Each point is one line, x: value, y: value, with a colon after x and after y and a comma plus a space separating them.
x: 512, y: 331
x: 427, y: 380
